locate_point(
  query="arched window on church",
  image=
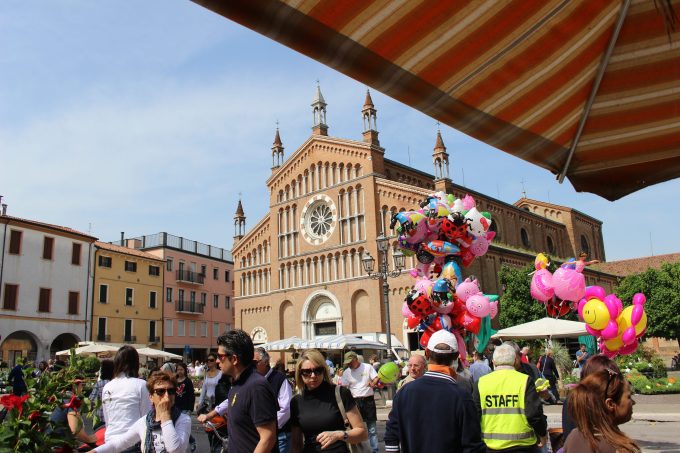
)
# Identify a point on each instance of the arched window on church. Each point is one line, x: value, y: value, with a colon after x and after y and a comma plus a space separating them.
x: 550, y: 244
x: 585, y: 246
x: 494, y: 227
x: 525, y: 238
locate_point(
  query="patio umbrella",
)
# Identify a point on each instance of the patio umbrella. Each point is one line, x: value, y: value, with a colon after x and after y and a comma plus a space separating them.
x: 158, y: 354
x: 286, y: 344
x: 589, y: 90
x: 90, y: 349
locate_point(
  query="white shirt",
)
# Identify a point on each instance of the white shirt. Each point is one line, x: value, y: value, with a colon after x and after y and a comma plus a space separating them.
x: 125, y: 400
x: 208, y: 388
x: 284, y: 397
x: 357, y: 380
x: 169, y: 439
x: 199, y: 371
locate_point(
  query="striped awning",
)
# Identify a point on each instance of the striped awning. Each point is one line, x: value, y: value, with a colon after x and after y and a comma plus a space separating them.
x: 535, y: 78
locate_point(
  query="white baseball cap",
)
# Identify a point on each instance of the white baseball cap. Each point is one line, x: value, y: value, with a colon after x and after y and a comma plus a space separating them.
x: 443, y: 337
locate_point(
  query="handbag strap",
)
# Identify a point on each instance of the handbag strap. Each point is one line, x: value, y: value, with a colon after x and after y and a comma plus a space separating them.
x: 341, y: 406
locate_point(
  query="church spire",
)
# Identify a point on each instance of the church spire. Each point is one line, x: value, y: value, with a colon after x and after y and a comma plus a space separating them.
x: 440, y: 158
x: 277, y: 150
x: 239, y: 222
x: 319, y: 111
x: 370, y: 118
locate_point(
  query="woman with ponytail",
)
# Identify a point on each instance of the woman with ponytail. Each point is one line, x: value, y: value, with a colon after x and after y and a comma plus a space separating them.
x: 598, y: 405
x: 164, y: 429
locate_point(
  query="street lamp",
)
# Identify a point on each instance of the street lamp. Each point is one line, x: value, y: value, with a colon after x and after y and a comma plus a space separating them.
x: 384, y: 273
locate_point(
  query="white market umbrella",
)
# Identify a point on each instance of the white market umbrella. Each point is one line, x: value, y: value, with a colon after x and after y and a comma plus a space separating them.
x: 158, y: 354
x: 285, y: 344
x: 90, y: 349
x: 543, y: 328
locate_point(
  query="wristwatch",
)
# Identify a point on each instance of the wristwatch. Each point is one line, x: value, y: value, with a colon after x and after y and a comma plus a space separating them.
x: 345, y: 436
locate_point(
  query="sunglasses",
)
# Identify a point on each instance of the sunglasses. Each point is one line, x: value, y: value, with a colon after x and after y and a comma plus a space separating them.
x: 161, y: 392
x: 612, y: 373
x: 211, y: 360
x: 221, y: 357
x: 307, y: 372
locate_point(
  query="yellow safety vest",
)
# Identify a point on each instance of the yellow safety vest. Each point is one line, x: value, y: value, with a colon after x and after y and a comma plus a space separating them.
x: 504, y: 423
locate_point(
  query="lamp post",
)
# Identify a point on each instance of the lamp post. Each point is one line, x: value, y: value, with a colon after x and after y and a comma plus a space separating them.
x: 384, y: 273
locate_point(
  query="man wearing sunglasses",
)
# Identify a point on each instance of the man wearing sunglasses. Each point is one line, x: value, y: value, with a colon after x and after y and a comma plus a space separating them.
x: 251, y: 405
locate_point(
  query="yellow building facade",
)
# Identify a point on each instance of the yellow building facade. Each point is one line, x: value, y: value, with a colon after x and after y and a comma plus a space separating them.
x: 127, y: 305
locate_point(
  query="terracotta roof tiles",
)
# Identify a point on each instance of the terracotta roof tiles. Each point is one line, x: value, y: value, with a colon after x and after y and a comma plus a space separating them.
x: 623, y: 268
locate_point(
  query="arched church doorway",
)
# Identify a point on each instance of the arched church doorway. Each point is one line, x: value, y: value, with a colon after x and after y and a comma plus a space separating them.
x: 63, y: 342
x: 321, y: 315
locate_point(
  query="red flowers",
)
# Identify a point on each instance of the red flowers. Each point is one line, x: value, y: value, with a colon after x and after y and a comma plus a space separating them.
x: 34, y: 416
x: 14, y: 402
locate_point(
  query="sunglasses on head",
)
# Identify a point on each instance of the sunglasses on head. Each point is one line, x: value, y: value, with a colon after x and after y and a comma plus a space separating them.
x: 161, y: 392
x: 612, y: 373
x: 307, y: 372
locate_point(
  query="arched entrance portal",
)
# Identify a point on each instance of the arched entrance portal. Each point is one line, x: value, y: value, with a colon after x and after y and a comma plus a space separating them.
x: 63, y: 342
x: 321, y: 315
x: 19, y: 344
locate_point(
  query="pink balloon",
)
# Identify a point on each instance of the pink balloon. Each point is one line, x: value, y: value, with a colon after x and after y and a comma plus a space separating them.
x: 569, y: 284
x: 611, y: 331
x: 405, y: 311
x: 628, y: 349
x: 595, y: 291
x: 614, y: 305
x: 478, y: 305
x: 542, y: 285
x: 461, y: 347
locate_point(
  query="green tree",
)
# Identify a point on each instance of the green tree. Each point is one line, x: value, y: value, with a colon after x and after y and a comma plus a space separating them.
x: 516, y: 304
x: 662, y: 289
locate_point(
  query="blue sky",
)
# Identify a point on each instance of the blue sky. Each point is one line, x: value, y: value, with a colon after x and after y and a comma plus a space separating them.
x: 148, y: 116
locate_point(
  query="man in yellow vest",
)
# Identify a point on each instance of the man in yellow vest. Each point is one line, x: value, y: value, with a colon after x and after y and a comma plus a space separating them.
x: 510, y: 410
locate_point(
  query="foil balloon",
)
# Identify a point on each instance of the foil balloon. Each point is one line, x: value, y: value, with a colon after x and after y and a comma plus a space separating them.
x: 467, y: 288
x: 542, y: 285
x: 569, y: 284
x: 478, y: 305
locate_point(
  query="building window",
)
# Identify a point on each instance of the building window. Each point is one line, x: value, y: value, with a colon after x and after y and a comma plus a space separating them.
x: 168, y: 265
x: 204, y: 298
x: 168, y: 294
x: 585, y: 247
x: 550, y: 244
x: 525, y: 238
x: 152, y: 331
x: 15, y: 242
x: 180, y: 327
x: 48, y: 248
x: 192, y: 328
x: 10, y: 300
x: 216, y: 301
x: 103, y: 293
x: 154, y: 270
x: 180, y: 295
x: 104, y: 261
x: 204, y: 270
x: 129, y: 295
x: 192, y: 297
x: 168, y: 327
x: 216, y: 273
x: 152, y: 299
x: 227, y: 327
x: 130, y: 266
x: 227, y: 302
x: 44, y: 301
x: 226, y: 276
x: 101, y: 330
x: 128, y: 331
x: 494, y: 227
x: 204, y: 329
x: 73, y: 302
x: 75, y: 254
x: 216, y: 329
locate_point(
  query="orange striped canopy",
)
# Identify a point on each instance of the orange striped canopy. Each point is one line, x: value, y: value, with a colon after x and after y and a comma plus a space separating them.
x: 589, y: 90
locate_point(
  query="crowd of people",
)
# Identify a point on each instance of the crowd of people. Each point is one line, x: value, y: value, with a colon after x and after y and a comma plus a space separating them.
x: 440, y: 405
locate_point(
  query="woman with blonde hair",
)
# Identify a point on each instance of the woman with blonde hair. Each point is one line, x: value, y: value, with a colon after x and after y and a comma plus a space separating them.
x: 598, y: 405
x: 317, y: 423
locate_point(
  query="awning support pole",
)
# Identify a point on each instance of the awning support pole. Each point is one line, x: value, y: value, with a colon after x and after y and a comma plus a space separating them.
x: 596, y: 86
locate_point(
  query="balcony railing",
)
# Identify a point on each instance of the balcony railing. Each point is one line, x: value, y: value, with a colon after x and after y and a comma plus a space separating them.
x: 130, y: 339
x: 154, y: 339
x: 190, y: 277
x: 103, y: 337
x: 183, y: 306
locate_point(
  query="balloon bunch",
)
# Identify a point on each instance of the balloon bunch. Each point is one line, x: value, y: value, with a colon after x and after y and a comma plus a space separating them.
x: 556, y: 290
x: 616, y: 328
x: 445, y: 231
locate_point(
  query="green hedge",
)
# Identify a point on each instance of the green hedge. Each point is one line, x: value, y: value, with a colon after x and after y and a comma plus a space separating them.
x: 654, y: 386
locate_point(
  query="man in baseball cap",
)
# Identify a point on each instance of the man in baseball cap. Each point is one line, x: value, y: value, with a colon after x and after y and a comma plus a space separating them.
x: 456, y: 424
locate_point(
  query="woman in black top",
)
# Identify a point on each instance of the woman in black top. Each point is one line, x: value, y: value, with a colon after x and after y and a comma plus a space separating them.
x: 314, y: 413
x: 185, y: 397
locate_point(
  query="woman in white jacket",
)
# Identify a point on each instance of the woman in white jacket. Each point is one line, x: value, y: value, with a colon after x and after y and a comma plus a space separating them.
x: 164, y: 429
x: 125, y: 398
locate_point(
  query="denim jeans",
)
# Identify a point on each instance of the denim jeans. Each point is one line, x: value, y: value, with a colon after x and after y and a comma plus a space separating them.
x: 284, y: 441
x: 372, y: 436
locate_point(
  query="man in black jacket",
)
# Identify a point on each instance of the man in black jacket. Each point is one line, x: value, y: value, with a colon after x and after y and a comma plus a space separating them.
x: 283, y: 392
x: 546, y: 364
x: 432, y: 414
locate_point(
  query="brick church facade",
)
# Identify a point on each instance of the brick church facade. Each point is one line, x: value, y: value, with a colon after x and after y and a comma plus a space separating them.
x: 298, y: 271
